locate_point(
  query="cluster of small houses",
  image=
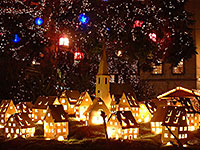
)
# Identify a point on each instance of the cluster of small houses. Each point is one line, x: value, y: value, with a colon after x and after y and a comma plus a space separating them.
x: 123, y: 111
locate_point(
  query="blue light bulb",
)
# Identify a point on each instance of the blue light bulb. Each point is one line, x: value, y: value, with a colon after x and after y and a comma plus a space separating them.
x: 38, y: 21
x: 83, y: 19
x: 16, y: 39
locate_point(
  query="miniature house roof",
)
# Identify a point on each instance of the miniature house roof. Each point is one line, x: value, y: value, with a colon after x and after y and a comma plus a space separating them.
x: 4, y: 106
x: 58, y: 113
x: 80, y: 100
x: 151, y: 106
x: 126, y: 119
x: 97, y: 104
x: 22, y: 120
x: 170, y: 116
x: 43, y: 101
x: 71, y: 95
x: 179, y: 92
x: 103, y: 66
x: 25, y: 107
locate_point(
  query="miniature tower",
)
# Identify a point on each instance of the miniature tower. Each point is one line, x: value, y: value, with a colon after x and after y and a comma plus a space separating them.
x: 102, y: 80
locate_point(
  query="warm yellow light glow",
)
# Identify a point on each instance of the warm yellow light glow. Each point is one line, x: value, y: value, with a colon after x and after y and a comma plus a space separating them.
x: 97, y: 120
x: 60, y: 138
x: 144, y: 115
x: 64, y: 41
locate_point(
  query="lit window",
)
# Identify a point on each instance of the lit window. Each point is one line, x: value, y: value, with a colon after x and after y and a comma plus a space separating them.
x: 123, y: 100
x: 44, y: 111
x: 166, y: 135
x: 11, y: 107
x: 157, y: 68
x: 9, y: 124
x: 173, y: 128
x: 111, y: 123
x: 59, y: 130
x: 125, y: 137
x: 49, y: 130
x: 12, y: 130
x: 58, y: 124
x: 185, y: 135
x: 51, y: 124
x: 2, y: 115
x: 65, y: 107
x: 11, y: 119
x: 63, y: 100
x: 64, y: 129
x: 2, y: 121
x: 86, y: 99
x: 14, y: 125
x: 115, y: 123
x: 17, y: 131
x: 157, y: 124
x: 130, y: 131
x: 48, y: 114
x: 153, y: 129
x: 185, y: 128
x: 181, y: 128
x: 135, y: 136
x: 179, y: 136
x: 113, y: 117
x: 126, y: 109
x: 36, y: 110
x: 135, y: 130
x: 179, y: 69
x: 35, y: 116
x: 183, y: 117
x: 172, y: 137
x: 125, y: 131
x: 152, y: 124
x: 6, y: 130
x: 121, y: 109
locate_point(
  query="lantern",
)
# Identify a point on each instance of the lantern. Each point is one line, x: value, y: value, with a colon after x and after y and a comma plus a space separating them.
x: 64, y: 41
x: 38, y: 21
x: 83, y: 19
x: 78, y: 55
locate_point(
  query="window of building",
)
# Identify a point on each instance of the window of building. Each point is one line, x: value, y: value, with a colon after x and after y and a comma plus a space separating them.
x: 106, y: 80
x: 166, y: 135
x: 112, y: 78
x: 157, y: 68
x: 99, y: 80
x: 98, y: 91
x: 179, y: 69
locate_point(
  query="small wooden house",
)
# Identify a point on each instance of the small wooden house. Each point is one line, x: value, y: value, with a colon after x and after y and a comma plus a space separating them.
x: 93, y: 113
x: 40, y: 107
x: 19, y: 125
x: 176, y: 120
x: 82, y: 105
x: 129, y: 103
x: 172, y: 117
x: 193, y: 121
x: 69, y: 99
x: 25, y: 107
x: 122, y: 125
x: 7, y: 108
x: 56, y: 124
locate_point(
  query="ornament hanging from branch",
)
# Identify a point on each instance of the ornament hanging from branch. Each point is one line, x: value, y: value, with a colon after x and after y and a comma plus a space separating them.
x: 83, y: 19
x: 153, y: 37
x: 38, y: 21
x: 137, y: 23
x: 16, y: 38
x: 78, y: 55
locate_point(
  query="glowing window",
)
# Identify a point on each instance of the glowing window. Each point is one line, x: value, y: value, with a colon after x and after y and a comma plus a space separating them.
x: 172, y: 137
x: 6, y: 130
x: 63, y: 100
x: 65, y: 107
x: 179, y: 136
x: 181, y: 128
x: 36, y: 110
x: 125, y: 131
x: 17, y: 131
x: 9, y: 124
x: 12, y: 130
x: 14, y: 125
x: 86, y: 99
x: 111, y: 123
x: 113, y: 117
x: 166, y: 135
x: 64, y: 129
x: 173, y: 128
x: 59, y: 130
x: 11, y: 119
x: 51, y: 124
x: 115, y: 123
x: 49, y: 115
x: 179, y: 69
x: 123, y: 100
x: 185, y: 128
x: 157, y: 68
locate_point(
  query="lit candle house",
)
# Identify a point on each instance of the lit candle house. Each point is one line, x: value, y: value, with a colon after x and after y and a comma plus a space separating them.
x: 82, y: 105
x: 193, y: 121
x: 122, y: 125
x: 69, y: 99
x: 128, y: 103
x: 56, y: 124
x: 93, y: 113
x: 25, y: 107
x: 7, y: 108
x: 40, y: 107
x: 19, y: 125
x: 176, y: 120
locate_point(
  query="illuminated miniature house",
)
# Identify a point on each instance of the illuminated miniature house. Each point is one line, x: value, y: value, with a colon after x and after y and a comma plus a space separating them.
x: 40, y: 107
x: 56, y: 124
x: 7, y: 108
x: 19, y: 125
x: 25, y: 107
x: 69, y: 99
x: 122, y: 125
x: 128, y: 103
x: 82, y: 105
x: 175, y: 118
x: 188, y: 99
x: 93, y: 113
